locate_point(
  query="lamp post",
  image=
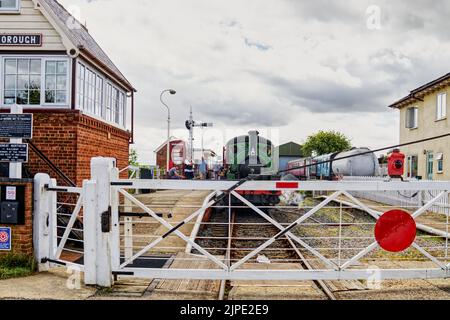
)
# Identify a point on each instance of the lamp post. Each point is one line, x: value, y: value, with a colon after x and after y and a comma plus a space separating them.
x: 171, y: 91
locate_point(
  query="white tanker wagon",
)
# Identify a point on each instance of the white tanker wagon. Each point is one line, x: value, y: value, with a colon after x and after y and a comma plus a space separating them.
x: 357, y: 162
x: 356, y: 165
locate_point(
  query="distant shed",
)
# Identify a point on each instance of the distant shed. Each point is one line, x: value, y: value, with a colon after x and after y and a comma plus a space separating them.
x: 287, y: 152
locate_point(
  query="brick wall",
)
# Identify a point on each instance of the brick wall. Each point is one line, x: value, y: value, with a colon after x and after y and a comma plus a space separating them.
x: 22, y: 235
x: 70, y: 139
x: 55, y: 134
x: 96, y: 138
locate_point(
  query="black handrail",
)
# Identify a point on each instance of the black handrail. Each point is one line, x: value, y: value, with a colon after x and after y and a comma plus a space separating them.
x: 49, y: 162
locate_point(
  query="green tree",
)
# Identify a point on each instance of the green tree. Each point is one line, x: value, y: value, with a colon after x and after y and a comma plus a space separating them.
x: 133, y: 160
x: 325, y: 142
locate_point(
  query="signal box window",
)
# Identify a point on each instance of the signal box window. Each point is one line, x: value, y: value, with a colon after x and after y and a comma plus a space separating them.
x: 22, y: 81
x: 9, y: 5
x: 56, y: 82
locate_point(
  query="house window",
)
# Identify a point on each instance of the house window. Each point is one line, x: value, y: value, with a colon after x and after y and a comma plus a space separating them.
x: 56, y: 82
x: 412, y: 166
x: 9, y: 5
x: 440, y: 162
x: 22, y: 81
x: 441, y: 108
x: 412, y: 118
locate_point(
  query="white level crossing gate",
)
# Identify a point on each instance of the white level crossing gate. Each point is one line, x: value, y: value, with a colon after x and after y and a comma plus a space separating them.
x: 333, y: 232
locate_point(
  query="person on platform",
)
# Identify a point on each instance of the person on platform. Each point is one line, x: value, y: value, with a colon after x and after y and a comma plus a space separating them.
x: 173, y: 173
x: 222, y: 174
x: 189, y: 170
x: 216, y: 171
x: 203, y: 169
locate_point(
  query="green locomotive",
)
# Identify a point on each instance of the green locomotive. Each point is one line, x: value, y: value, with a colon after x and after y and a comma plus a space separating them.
x: 250, y: 156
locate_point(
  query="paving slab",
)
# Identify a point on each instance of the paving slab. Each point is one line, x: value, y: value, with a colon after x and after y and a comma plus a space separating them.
x: 44, y: 286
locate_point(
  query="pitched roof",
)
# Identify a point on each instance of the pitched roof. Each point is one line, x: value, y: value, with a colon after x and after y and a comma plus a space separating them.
x: 290, y: 149
x: 164, y: 144
x: 420, y: 92
x: 81, y: 38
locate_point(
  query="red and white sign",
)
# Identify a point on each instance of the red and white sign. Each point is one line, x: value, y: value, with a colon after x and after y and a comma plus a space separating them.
x: 11, y: 193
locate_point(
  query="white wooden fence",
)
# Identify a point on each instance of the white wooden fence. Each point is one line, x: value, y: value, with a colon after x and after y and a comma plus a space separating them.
x: 407, y: 198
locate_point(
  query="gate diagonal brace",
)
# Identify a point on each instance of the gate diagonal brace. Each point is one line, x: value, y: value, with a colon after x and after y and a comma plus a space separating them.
x: 172, y: 229
x: 70, y: 224
x: 286, y: 231
x: 377, y: 216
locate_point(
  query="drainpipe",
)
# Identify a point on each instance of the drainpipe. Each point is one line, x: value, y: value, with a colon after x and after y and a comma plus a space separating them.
x: 132, y: 117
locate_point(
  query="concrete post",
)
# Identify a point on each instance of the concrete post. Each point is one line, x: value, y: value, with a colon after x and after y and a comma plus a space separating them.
x: 90, y: 221
x: 53, y: 219
x: 41, y: 228
x: 101, y: 174
x: 115, y: 228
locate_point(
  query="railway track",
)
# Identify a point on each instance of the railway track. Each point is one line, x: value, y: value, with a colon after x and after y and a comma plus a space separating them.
x: 250, y: 231
x: 246, y: 232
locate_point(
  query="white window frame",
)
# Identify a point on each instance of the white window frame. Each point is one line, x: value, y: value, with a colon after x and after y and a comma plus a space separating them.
x: 86, y: 94
x: 113, y: 111
x: 16, y: 9
x: 409, y: 171
x: 105, y: 115
x: 68, y: 82
x: 43, y: 59
x: 441, y: 106
x: 414, y: 125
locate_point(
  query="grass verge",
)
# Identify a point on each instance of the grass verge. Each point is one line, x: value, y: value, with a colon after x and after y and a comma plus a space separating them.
x: 16, y: 265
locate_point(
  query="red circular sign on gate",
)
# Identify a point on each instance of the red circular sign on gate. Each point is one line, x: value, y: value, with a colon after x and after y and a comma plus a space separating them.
x: 395, y: 231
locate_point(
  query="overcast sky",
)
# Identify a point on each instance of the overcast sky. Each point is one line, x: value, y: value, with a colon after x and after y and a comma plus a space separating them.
x: 290, y: 67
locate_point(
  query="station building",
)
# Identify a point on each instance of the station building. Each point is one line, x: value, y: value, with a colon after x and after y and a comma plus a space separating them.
x: 423, y: 114
x: 81, y: 103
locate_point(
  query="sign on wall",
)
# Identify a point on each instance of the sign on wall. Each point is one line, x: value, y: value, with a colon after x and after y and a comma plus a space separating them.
x: 14, y: 152
x: 5, y: 239
x: 16, y: 126
x: 34, y: 40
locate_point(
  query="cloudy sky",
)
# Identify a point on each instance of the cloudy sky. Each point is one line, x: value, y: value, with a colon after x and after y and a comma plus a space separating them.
x: 285, y: 67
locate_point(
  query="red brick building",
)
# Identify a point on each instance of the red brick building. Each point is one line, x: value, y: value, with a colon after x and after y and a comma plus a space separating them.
x: 82, y: 104
x: 177, y: 153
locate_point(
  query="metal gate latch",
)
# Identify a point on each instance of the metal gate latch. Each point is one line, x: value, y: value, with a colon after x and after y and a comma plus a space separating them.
x: 106, y: 220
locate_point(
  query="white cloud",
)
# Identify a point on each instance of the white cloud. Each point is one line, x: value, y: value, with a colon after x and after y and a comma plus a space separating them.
x: 299, y: 66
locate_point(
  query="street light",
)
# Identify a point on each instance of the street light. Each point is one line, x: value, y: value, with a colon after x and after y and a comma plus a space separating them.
x: 171, y: 91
